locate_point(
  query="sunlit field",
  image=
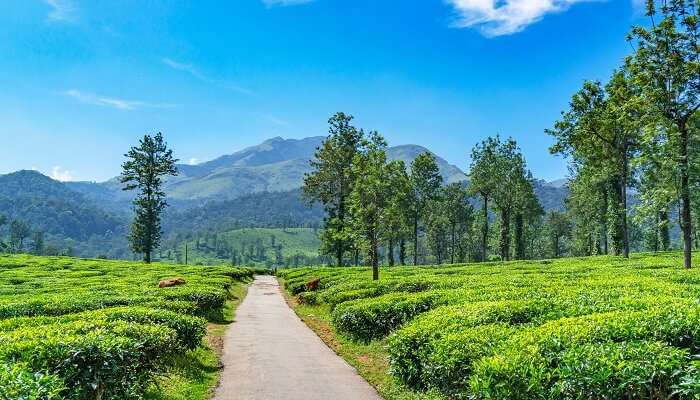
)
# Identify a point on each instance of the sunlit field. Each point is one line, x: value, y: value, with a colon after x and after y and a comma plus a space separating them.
x: 599, y: 327
x: 75, y: 328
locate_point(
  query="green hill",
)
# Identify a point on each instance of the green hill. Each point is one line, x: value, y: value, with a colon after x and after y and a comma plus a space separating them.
x: 263, y: 247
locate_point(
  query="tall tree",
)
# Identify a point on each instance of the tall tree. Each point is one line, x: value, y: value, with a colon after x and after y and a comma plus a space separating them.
x: 558, y: 228
x: 398, y: 212
x: 19, y: 231
x: 3, y: 221
x: 600, y: 130
x: 527, y: 209
x: 370, y: 200
x: 459, y: 215
x: 146, y: 166
x: 666, y: 67
x: 331, y: 181
x: 483, y: 182
x: 38, y: 242
x: 426, y: 181
x: 437, y: 226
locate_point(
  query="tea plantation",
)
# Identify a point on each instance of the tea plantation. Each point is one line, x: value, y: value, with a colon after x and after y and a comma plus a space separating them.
x: 588, y: 328
x: 96, y: 329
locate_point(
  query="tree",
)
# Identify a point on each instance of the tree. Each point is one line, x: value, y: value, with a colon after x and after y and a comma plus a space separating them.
x: 331, y: 181
x: 370, y: 200
x: 483, y: 182
x: 458, y: 213
x: 527, y: 209
x: 666, y: 67
x: 398, y: 213
x: 144, y: 170
x: 437, y: 225
x: 3, y: 221
x: 19, y: 231
x: 38, y: 242
x: 558, y: 227
x: 601, y: 130
x: 426, y: 182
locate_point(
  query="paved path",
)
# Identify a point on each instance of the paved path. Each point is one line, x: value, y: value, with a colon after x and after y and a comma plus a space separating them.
x: 270, y: 354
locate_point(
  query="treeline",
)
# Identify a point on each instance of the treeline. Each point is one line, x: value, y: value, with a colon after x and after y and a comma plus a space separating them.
x: 638, y: 130
x: 385, y: 211
x: 255, y: 247
x: 18, y: 236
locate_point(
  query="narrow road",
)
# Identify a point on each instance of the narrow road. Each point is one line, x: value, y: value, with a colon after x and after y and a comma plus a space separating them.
x: 270, y: 354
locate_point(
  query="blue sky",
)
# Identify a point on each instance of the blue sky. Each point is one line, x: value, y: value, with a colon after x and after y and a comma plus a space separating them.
x: 81, y: 81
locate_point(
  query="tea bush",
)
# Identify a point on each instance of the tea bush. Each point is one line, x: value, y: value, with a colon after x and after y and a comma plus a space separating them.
x: 96, y: 329
x: 575, y: 328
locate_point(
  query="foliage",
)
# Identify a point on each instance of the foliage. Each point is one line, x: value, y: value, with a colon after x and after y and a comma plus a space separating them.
x: 144, y: 169
x: 596, y: 327
x: 75, y: 328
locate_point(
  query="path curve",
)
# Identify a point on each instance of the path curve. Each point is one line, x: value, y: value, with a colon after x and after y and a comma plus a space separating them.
x: 270, y: 354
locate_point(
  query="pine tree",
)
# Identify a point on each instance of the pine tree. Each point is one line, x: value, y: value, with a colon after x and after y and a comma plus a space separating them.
x: 331, y: 181
x: 144, y: 170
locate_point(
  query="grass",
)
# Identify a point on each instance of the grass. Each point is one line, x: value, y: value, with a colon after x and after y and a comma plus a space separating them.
x: 371, y: 360
x: 195, y: 375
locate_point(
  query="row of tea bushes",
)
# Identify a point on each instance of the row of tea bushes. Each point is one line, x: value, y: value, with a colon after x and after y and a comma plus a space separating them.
x: 600, y: 327
x: 96, y: 329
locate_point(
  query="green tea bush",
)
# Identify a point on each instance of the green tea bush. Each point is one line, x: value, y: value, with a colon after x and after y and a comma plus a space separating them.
x: 575, y: 328
x: 86, y: 329
x: 17, y: 382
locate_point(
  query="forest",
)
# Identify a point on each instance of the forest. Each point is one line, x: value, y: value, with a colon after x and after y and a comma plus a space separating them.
x: 634, y: 136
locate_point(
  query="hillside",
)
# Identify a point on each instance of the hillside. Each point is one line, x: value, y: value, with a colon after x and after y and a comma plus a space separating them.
x: 54, y: 207
x: 276, y: 165
x: 262, y: 247
x: 257, y: 187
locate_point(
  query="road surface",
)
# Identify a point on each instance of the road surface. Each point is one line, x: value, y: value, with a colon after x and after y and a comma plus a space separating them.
x: 270, y: 354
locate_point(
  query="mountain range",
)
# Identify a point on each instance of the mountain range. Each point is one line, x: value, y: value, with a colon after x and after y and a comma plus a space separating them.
x: 254, y: 187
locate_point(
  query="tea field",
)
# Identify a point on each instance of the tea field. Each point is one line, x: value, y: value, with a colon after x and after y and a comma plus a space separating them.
x: 96, y: 329
x: 575, y: 328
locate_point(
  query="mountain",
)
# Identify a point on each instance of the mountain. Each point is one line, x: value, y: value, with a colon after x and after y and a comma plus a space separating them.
x: 54, y: 207
x: 257, y: 187
x: 276, y: 165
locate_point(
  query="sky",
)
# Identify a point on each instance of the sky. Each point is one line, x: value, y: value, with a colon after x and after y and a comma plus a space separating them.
x: 82, y: 81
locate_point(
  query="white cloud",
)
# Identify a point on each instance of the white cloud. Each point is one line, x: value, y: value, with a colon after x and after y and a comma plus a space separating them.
x: 120, y: 104
x: 193, y: 161
x: 284, y: 3
x: 60, y: 174
x: 505, y: 17
x: 192, y: 70
x: 61, y: 11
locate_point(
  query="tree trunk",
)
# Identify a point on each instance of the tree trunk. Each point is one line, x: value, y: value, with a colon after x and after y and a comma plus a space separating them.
x: 375, y: 261
x: 604, y: 221
x: 357, y: 257
x: 519, y: 241
x: 402, y: 251
x: 452, y: 253
x: 415, y: 239
x: 505, y: 235
x: 686, y: 225
x: 147, y: 256
x: 485, y: 230
x: 664, y: 231
x: 390, y: 252
x: 623, y: 195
